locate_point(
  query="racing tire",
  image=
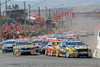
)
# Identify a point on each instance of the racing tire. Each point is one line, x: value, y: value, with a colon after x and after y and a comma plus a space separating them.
x: 51, y: 53
x: 17, y: 54
x: 41, y: 52
x: 57, y: 54
x: 13, y: 52
x: 46, y: 52
x: 33, y: 53
x: 3, y: 51
x: 89, y: 56
x: 36, y: 52
x: 67, y: 54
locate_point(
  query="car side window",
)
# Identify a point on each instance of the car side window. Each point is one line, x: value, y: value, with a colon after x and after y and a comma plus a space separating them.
x: 64, y: 44
x: 50, y: 43
x: 61, y: 44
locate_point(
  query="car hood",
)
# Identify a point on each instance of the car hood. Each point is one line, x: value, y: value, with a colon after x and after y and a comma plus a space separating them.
x: 8, y: 45
x: 79, y: 47
x: 25, y: 46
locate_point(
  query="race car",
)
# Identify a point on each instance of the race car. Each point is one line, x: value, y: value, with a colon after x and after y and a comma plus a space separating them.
x: 73, y: 48
x: 43, y: 46
x: 36, y: 41
x: 61, y: 37
x: 73, y: 37
x: 8, y: 45
x: 83, y: 33
x: 90, y: 33
x: 23, y: 47
x: 69, y: 34
x: 51, y: 36
x: 51, y: 47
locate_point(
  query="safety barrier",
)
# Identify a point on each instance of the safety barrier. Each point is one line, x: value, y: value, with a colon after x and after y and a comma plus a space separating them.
x: 97, y: 51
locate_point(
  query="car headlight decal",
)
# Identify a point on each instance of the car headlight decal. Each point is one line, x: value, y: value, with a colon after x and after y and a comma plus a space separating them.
x: 31, y: 47
x: 19, y: 48
x: 74, y: 50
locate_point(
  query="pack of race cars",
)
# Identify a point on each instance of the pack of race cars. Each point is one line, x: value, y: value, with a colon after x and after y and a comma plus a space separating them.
x: 59, y: 45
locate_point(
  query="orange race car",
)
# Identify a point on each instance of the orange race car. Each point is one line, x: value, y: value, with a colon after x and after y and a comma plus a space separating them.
x: 51, y: 47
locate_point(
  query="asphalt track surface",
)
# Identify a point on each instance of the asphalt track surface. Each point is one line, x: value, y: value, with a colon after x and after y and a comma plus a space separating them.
x: 78, y: 23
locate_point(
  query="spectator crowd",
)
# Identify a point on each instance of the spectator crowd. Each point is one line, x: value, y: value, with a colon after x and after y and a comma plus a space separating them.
x: 17, y: 30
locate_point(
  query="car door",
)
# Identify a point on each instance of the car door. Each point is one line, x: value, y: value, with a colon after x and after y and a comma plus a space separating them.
x: 63, y: 46
x: 49, y: 47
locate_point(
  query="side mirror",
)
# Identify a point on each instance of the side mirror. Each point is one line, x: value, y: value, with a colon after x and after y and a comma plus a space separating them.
x: 86, y: 45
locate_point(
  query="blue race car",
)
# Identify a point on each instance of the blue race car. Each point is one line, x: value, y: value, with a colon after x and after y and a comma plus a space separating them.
x: 8, y: 45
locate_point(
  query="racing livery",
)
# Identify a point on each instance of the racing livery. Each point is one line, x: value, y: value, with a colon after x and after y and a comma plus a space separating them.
x: 51, y: 47
x: 73, y: 48
x: 37, y: 43
x: 23, y: 46
x: 8, y: 45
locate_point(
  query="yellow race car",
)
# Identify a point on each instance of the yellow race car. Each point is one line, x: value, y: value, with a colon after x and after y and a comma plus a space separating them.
x: 73, y: 48
x: 23, y: 47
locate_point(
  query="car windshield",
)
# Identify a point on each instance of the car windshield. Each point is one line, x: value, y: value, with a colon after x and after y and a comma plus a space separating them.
x: 56, y: 43
x: 75, y: 43
x: 9, y: 42
x: 23, y: 43
x: 36, y: 42
x: 45, y: 43
x: 42, y: 46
